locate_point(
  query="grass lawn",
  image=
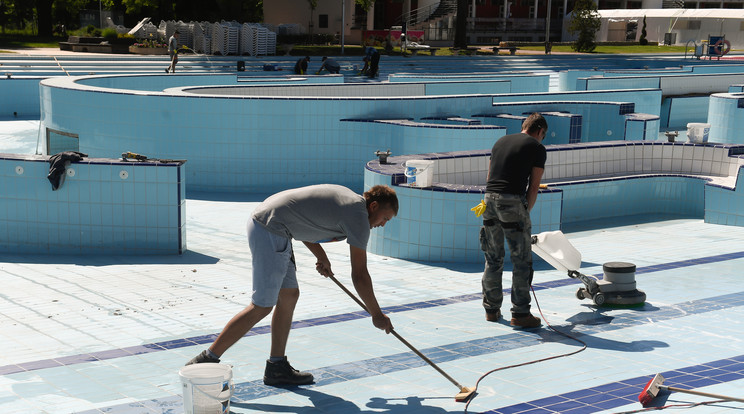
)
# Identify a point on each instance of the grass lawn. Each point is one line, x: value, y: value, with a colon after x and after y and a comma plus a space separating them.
x: 16, y: 41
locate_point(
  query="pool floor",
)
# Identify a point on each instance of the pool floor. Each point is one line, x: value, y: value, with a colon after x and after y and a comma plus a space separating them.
x: 109, y: 334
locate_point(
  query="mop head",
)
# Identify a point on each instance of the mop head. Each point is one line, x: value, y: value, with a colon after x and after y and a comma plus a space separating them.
x: 465, y: 394
x: 651, y: 390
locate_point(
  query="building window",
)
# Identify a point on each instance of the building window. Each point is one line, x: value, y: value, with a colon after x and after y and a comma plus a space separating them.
x: 323, y: 21
x: 532, y: 12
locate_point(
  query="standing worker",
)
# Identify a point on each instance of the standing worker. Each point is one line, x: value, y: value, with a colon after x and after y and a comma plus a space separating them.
x: 313, y: 215
x: 301, y: 65
x: 330, y: 65
x: 371, y: 62
x: 516, y: 168
x: 173, y: 52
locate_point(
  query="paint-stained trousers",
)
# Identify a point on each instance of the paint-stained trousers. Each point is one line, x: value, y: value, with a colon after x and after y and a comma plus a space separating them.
x: 506, y: 217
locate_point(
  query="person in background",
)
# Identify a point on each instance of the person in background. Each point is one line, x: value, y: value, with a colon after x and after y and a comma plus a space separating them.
x: 330, y: 65
x: 300, y: 67
x: 371, y: 62
x: 314, y: 215
x: 173, y: 51
x: 514, y: 174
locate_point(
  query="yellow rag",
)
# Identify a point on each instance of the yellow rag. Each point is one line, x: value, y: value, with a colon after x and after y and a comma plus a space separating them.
x: 479, y: 209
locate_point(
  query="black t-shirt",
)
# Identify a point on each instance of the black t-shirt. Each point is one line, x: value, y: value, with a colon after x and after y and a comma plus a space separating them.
x: 301, y: 66
x: 512, y: 159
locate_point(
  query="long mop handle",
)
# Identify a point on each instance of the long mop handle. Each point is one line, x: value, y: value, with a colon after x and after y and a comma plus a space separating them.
x: 400, y: 338
x: 704, y: 394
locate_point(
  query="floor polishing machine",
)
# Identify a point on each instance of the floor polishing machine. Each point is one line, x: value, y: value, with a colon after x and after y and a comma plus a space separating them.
x: 617, y: 287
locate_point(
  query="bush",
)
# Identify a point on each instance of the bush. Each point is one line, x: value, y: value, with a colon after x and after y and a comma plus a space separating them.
x: 109, y: 33
x: 643, y: 41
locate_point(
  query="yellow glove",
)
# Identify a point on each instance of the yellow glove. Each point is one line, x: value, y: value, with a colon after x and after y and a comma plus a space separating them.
x: 317, y: 73
x: 479, y: 209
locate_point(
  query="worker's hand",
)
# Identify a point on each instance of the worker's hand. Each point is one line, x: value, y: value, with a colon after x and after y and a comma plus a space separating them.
x: 324, y: 268
x: 317, y: 73
x: 381, y: 321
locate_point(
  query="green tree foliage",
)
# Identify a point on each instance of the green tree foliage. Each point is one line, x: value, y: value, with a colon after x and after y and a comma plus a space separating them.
x: 585, y: 22
x: 642, y: 40
x: 366, y: 4
x: 44, y: 15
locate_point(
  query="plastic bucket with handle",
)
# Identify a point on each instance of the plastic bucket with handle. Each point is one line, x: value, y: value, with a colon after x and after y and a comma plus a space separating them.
x: 207, y: 388
x: 419, y: 173
x: 697, y: 132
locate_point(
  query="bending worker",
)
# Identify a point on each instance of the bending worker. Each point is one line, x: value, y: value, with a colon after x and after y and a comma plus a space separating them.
x: 300, y: 67
x: 330, y: 65
x: 314, y: 214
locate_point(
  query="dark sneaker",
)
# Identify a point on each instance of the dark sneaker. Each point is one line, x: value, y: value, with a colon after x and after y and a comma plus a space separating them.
x: 527, y: 321
x: 493, y: 316
x: 203, y: 357
x: 281, y: 373
x: 166, y: 71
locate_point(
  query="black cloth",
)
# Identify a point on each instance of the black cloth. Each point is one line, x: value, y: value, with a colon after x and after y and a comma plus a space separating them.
x: 57, y: 164
x: 512, y: 159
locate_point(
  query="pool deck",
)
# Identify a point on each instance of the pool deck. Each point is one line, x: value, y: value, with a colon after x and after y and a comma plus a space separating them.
x: 108, y: 334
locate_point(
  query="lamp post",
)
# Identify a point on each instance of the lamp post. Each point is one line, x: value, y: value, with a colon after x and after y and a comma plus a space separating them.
x: 343, y: 24
x: 100, y: 15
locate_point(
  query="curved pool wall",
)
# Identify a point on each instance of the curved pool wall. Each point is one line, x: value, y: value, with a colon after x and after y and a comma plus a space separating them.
x: 276, y: 140
x: 518, y: 82
x: 686, y: 91
x: 598, y: 181
x: 726, y: 118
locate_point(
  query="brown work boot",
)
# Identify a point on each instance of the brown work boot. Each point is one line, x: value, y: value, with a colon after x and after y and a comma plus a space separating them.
x: 525, y: 321
x: 493, y: 316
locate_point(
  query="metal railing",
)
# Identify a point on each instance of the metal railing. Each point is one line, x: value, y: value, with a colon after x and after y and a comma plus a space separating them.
x: 422, y: 15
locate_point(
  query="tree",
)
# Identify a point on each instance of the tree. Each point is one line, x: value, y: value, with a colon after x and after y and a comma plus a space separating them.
x: 643, y: 41
x: 461, y: 24
x: 585, y: 22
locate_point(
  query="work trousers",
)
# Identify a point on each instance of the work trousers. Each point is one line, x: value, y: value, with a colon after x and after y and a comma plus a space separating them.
x: 506, y: 218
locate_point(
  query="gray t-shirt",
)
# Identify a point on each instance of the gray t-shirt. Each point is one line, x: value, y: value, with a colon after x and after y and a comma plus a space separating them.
x: 172, y: 45
x: 317, y: 214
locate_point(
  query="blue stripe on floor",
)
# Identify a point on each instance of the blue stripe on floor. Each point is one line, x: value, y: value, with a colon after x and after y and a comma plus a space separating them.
x: 262, y: 330
x: 617, y: 394
x: 590, y: 400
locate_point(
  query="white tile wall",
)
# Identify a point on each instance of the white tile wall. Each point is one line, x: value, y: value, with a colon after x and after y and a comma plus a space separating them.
x: 605, y: 161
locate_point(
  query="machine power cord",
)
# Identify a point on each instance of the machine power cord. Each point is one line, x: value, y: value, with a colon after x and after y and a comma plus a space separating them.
x: 530, y: 362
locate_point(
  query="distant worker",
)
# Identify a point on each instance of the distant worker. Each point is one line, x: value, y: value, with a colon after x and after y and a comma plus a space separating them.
x: 173, y: 52
x: 371, y: 62
x: 301, y: 65
x: 330, y: 65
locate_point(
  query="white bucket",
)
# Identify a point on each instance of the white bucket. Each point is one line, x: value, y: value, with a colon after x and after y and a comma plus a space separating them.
x: 207, y: 388
x: 697, y: 132
x: 419, y: 173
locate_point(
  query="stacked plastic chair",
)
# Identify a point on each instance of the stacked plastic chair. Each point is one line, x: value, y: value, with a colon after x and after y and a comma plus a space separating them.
x: 232, y: 37
x: 186, y: 36
x: 260, y: 41
x: 246, y: 39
